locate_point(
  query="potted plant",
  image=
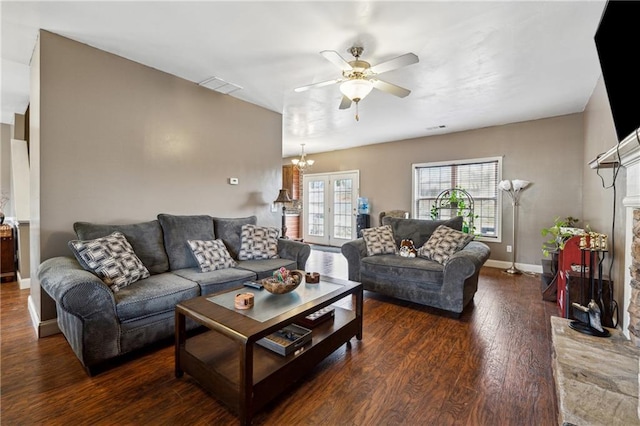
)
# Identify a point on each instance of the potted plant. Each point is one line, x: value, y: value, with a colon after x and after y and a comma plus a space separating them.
x: 558, y: 234
x: 455, y: 200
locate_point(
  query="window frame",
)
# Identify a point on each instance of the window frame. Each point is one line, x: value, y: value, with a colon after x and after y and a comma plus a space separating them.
x: 414, y: 190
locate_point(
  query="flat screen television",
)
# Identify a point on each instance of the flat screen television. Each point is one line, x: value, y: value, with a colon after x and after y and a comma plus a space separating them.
x: 617, y: 41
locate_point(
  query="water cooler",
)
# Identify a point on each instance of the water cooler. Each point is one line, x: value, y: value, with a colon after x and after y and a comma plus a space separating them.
x: 363, y: 219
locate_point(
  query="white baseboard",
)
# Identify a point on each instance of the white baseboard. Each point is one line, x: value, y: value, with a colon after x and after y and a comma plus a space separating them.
x: 501, y: 264
x: 24, y: 282
x: 42, y: 328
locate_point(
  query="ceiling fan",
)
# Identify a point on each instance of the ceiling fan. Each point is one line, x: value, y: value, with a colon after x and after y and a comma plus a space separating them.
x: 359, y: 77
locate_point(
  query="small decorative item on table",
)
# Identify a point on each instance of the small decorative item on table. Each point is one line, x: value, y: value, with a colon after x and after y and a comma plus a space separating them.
x: 244, y: 301
x: 283, y: 281
x: 287, y: 340
x: 318, y: 317
x: 312, y: 278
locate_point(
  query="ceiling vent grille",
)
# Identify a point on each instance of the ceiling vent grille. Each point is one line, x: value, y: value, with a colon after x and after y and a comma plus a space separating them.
x: 219, y: 85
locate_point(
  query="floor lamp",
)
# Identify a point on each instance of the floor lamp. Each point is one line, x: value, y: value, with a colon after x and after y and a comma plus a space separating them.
x: 283, y: 198
x: 513, y: 188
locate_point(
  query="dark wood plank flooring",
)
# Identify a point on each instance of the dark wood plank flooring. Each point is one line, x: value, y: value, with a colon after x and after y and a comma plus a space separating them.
x: 414, y: 366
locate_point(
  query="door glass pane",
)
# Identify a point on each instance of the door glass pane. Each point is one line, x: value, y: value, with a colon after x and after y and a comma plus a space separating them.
x: 342, y: 208
x: 315, y: 215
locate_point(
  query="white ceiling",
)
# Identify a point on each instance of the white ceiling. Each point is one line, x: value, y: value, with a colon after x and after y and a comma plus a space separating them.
x: 481, y: 63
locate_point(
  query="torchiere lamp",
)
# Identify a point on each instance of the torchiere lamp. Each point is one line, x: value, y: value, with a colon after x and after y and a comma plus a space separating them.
x: 283, y: 198
x: 513, y: 188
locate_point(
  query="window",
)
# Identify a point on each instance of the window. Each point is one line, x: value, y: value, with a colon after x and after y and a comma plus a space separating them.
x: 479, y: 177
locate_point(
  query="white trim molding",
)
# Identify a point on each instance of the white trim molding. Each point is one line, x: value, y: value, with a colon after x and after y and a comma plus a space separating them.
x: 42, y: 328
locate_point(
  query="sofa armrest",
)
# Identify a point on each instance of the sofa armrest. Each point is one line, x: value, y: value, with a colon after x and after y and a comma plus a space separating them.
x: 64, y: 279
x: 466, y: 262
x: 294, y: 250
x: 354, y: 251
x: 86, y: 309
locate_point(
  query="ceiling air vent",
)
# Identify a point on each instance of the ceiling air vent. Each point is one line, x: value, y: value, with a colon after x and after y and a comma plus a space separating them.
x: 219, y: 85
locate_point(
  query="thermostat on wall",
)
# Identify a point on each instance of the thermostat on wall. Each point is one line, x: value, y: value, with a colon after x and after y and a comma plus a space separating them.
x: 233, y: 181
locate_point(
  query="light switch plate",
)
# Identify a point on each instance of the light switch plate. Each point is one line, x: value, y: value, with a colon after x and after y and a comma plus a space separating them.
x: 233, y: 181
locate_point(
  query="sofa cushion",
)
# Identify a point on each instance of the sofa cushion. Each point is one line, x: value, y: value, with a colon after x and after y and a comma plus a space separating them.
x: 154, y: 295
x: 443, y: 243
x: 258, y: 242
x: 405, y: 269
x: 211, y: 255
x: 145, y: 239
x: 418, y: 230
x: 218, y: 280
x: 379, y: 240
x: 229, y: 230
x: 111, y: 258
x: 177, y: 231
x: 264, y: 268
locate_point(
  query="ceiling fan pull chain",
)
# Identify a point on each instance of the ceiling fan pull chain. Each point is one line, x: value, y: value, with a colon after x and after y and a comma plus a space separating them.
x: 357, y: 116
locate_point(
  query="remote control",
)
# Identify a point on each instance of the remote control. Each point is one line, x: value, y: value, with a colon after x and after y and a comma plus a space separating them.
x: 253, y: 284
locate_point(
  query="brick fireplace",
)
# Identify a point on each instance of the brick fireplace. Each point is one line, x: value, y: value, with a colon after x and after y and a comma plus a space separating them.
x: 627, y: 154
x: 634, y: 272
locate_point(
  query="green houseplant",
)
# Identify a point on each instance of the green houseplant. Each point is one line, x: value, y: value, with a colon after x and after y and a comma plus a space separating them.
x: 455, y: 199
x: 558, y: 234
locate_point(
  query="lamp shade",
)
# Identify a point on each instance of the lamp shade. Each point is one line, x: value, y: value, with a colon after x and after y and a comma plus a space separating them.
x: 356, y: 90
x: 519, y: 184
x: 505, y: 185
x: 283, y: 197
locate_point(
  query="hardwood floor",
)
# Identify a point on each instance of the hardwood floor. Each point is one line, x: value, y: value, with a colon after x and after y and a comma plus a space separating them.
x: 413, y: 366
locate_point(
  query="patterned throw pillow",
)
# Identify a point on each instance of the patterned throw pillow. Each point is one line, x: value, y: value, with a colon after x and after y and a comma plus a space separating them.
x: 444, y: 243
x: 111, y: 258
x: 211, y: 255
x: 258, y: 242
x: 379, y: 240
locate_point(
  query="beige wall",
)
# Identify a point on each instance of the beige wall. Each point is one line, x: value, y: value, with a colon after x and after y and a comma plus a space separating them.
x: 547, y: 152
x: 119, y: 142
x: 598, y: 204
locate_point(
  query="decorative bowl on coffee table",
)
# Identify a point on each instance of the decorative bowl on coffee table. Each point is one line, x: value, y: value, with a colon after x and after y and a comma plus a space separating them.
x: 276, y: 286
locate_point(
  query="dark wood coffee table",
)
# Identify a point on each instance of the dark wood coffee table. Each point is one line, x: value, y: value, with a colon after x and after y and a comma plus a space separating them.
x: 244, y: 376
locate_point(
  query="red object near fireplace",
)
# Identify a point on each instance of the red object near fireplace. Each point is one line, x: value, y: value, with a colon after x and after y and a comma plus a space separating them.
x: 570, y: 260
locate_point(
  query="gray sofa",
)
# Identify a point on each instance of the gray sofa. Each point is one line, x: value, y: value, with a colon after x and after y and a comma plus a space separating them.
x: 101, y: 324
x: 449, y: 287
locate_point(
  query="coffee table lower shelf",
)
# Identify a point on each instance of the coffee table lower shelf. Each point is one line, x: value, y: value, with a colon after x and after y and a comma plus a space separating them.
x: 214, y: 360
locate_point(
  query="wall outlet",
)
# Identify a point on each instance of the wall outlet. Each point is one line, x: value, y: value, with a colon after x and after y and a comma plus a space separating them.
x: 508, y: 249
x: 233, y: 181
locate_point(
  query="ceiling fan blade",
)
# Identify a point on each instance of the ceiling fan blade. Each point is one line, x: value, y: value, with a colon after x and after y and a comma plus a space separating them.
x: 335, y: 58
x: 398, y: 91
x: 399, y: 62
x: 320, y: 84
x: 345, y: 103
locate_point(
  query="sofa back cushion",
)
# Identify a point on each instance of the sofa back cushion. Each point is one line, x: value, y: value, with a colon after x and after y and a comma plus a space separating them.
x: 177, y: 231
x: 418, y: 230
x: 145, y: 239
x: 229, y: 230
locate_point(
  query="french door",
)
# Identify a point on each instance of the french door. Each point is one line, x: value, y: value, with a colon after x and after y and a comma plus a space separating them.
x: 330, y: 204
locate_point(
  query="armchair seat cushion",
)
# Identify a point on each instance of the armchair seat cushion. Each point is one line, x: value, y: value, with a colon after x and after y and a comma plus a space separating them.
x: 403, y: 268
x: 158, y: 293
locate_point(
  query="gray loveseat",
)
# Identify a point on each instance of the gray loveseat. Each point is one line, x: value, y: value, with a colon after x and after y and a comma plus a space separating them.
x: 101, y: 324
x: 449, y: 287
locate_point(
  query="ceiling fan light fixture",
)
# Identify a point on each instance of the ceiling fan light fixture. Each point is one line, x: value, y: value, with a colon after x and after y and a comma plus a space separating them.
x: 356, y: 89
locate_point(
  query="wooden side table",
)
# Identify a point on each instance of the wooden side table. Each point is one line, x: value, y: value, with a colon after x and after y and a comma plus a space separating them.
x: 7, y: 253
